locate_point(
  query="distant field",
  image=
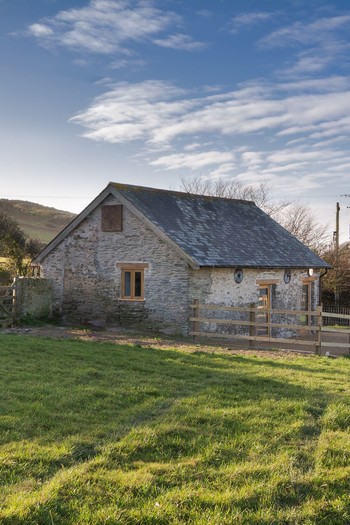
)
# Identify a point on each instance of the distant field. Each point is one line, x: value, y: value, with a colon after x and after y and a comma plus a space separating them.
x: 37, y: 221
x: 96, y: 433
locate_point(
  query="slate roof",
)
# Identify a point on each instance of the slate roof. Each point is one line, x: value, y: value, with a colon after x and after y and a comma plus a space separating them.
x: 220, y: 232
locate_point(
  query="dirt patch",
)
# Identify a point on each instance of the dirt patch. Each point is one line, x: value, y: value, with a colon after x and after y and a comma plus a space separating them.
x: 123, y: 336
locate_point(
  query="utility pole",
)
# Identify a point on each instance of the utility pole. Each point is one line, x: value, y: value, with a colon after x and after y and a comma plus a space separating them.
x: 336, y: 239
x: 347, y: 195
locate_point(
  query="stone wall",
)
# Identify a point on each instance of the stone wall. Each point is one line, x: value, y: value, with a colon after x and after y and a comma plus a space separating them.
x: 33, y: 297
x: 216, y: 286
x: 86, y: 276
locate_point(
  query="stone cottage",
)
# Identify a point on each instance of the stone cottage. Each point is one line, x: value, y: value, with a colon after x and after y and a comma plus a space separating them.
x: 140, y: 256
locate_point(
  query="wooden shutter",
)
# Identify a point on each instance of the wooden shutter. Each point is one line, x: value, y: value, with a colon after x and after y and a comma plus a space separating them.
x: 112, y: 218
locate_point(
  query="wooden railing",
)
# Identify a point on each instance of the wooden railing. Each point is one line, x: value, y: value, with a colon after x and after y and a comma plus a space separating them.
x: 257, y: 325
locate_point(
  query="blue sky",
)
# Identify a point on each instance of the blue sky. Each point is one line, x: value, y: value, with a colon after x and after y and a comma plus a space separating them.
x: 149, y: 92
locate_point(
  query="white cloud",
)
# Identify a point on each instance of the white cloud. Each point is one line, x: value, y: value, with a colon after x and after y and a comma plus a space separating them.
x: 132, y: 111
x: 178, y: 129
x: 223, y: 171
x: 320, y: 41
x: 180, y: 41
x: 107, y: 26
x: 248, y: 19
x: 193, y: 160
x: 319, y: 31
x: 159, y: 112
x: 40, y: 30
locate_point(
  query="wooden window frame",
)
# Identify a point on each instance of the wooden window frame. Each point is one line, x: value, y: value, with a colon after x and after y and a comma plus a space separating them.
x: 132, y: 268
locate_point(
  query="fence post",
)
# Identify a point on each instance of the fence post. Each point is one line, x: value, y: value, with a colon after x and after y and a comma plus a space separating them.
x: 319, y: 329
x: 252, y: 327
x: 195, y: 314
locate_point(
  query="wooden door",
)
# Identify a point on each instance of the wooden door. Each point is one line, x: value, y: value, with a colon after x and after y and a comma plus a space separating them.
x: 264, y: 303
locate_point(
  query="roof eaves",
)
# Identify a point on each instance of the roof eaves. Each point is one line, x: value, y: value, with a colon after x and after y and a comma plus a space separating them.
x: 268, y: 267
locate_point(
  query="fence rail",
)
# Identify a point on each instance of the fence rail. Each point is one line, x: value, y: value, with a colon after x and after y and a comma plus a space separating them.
x: 336, y: 311
x: 275, y: 326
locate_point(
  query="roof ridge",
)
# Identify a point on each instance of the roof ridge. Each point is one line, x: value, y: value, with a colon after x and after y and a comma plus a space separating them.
x: 121, y: 186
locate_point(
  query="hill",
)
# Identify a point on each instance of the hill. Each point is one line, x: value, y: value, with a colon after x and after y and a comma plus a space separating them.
x: 41, y: 222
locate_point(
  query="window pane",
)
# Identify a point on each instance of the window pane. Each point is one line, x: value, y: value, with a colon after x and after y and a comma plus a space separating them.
x: 138, y: 284
x: 127, y: 284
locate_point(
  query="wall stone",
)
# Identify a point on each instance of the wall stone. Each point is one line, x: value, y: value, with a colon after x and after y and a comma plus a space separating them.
x: 86, y: 276
x: 217, y: 286
x: 33, y: 297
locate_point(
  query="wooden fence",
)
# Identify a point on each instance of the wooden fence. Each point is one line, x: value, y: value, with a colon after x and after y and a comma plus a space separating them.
x: 270, y: 327
x: 334, y: 337
x: 329, y: 319
x: 8, y: 304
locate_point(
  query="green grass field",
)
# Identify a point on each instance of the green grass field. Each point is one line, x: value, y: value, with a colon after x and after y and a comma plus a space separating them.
x: 95, y: 433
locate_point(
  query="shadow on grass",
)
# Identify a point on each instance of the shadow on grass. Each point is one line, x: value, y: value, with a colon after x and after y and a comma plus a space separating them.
x: 98, y: 406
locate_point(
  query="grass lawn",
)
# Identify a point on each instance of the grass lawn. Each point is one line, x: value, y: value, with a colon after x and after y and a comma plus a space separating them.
x: 96, y: 433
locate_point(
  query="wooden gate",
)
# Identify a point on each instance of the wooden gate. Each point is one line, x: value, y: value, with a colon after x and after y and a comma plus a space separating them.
x: 8, y: 299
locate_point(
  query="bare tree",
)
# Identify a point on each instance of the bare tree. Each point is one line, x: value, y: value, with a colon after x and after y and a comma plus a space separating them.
x: 234, y: 189
x: 297, y: 218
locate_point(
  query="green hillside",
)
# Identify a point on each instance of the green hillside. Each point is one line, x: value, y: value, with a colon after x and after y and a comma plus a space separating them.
x: 35, y: 220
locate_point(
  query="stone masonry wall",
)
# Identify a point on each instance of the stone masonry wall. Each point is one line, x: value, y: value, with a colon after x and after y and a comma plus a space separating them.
x: 87, y: 279
x: 217, y: 286
x: 33, y: 297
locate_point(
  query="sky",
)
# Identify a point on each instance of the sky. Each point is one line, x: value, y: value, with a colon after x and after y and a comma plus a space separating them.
x: 149, y: 92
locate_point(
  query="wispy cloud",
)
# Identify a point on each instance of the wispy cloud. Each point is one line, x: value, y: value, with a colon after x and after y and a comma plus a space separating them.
x: 245, y: 20
x: 180, y: 41
x: 132, y: 111
x: 193, y: 161
x: 160, y: 112
x: 107, y: 26
x: 317, y: 43
x: 307, y: 33
x: 295, y: 126
x: 41, y: 30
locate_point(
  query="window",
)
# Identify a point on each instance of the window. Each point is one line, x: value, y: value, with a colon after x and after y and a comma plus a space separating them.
x: 132, y: 284
x: 112, y: 218
x: 132, y: 281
